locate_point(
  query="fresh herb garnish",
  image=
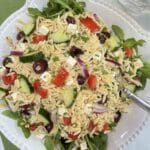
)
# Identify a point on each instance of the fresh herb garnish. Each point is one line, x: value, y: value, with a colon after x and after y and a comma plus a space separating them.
x: 49, y: 144
x: 131, y: 42
x: 118, y: 31
x: 20, y: 122
x: 128, y: 43
x: 55, y: 58
x: 58, y: 7
x: 97, y: 142
x: 10, y: 114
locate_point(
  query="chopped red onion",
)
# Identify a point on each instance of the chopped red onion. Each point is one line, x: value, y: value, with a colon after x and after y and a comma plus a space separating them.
x: 16, y: 53
x: 113, y: 62
x: 99, y: 108
x: 84, y: 70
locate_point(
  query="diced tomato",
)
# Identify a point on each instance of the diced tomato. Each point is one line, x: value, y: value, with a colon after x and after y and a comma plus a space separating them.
x: 36, y: 85
x: 105, y: 127
x: 91, y: 125
x: 128, y: 52
x: 73, y: 136
x: 34, y: 126
x: 92, y: 82
x: 90, y: 24
x: 38, y: 38
x: 61, y: 77
x: 43, y: 92
x: 38, y: 89
x: 9, y: 78
x: 67, y: 121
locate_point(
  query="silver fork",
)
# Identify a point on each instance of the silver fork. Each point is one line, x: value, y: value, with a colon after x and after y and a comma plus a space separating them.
x: 143, y: 104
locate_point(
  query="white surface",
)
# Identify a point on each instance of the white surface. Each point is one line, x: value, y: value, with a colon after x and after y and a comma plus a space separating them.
x: 131, y: 123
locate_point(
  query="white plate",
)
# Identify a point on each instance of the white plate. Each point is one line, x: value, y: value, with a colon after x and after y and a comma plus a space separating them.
x: 131, y: 123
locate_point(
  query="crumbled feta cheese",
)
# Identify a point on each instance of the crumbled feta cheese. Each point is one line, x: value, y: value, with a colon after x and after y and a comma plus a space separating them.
x: 72, y: 28
x: 43, y: 30
x: 46, y: 77
x: 69, y: 82
x: 12, y: 106
x: 71, y: 61
x: 14, y: 96
x: 21, y: 47
x: 40, y: 132
x: 62, y: 111
x: 97, y: 56
x: 118, y: 53
x: 138, y: 63
x: 88, y: 109
x: 83, y: 146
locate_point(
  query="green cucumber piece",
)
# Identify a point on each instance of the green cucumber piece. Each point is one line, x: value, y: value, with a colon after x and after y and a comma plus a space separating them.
x: 131, y: 87
x: 41, y: 118
x: 44, y: 113
x: 54, y: 131
x: 69, y: 96
x: 28, y: 28
x: 112, y: 42
x: 25, y: 85
x: 2, y: 92
x: 60, y: 37
x: 31, y: 57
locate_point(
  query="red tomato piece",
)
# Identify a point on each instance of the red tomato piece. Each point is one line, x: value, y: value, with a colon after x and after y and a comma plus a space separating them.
x: 90, y: 24
x: 36, y: 85
x: 128, y: 52
x: 92, y: 82
x: 73, y: 136
x: 38, y: 89
x: 105, y: 127
x: 91, y: 125
x: 43, y: 92
x: 38, y: 38
x: 67, y: 121
x: 9, y: 78
x: 34, y: 126
x: 61, y: 77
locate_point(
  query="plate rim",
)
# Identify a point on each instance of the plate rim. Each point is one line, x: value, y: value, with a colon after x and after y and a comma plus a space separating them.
x: 135, y: 26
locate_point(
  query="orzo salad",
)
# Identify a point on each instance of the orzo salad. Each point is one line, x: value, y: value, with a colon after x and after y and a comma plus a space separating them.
x: 62, y: 80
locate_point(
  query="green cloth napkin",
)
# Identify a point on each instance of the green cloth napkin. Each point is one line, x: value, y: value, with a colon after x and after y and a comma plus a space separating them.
x: 7, y: 7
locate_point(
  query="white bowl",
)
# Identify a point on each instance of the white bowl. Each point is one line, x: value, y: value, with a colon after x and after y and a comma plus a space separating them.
x: 131, y: 123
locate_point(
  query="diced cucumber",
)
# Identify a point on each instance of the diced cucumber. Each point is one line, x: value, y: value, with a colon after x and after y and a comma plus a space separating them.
x: 28, y: 28
x: 112, y: 42
x: 54, y: 131
x: 41, y: 118
x: 69, y: 96
x: 131, y: 87
x: 60, y: 37
x: 44, y: 113
x: 2, y: 93
x: 25, y: 86
x: 31, y: 57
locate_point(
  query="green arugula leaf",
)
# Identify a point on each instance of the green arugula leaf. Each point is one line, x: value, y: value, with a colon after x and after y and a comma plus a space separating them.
x: 118, y: 31
x: 97, y: 142
x: 131, y: 42
x: 91, y: 146
x: 57, y: 8
x: 48, y: 142
x: 34, y: 12
x: 146, y: 70
x: 10, y: 114
x: 21, y: 123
